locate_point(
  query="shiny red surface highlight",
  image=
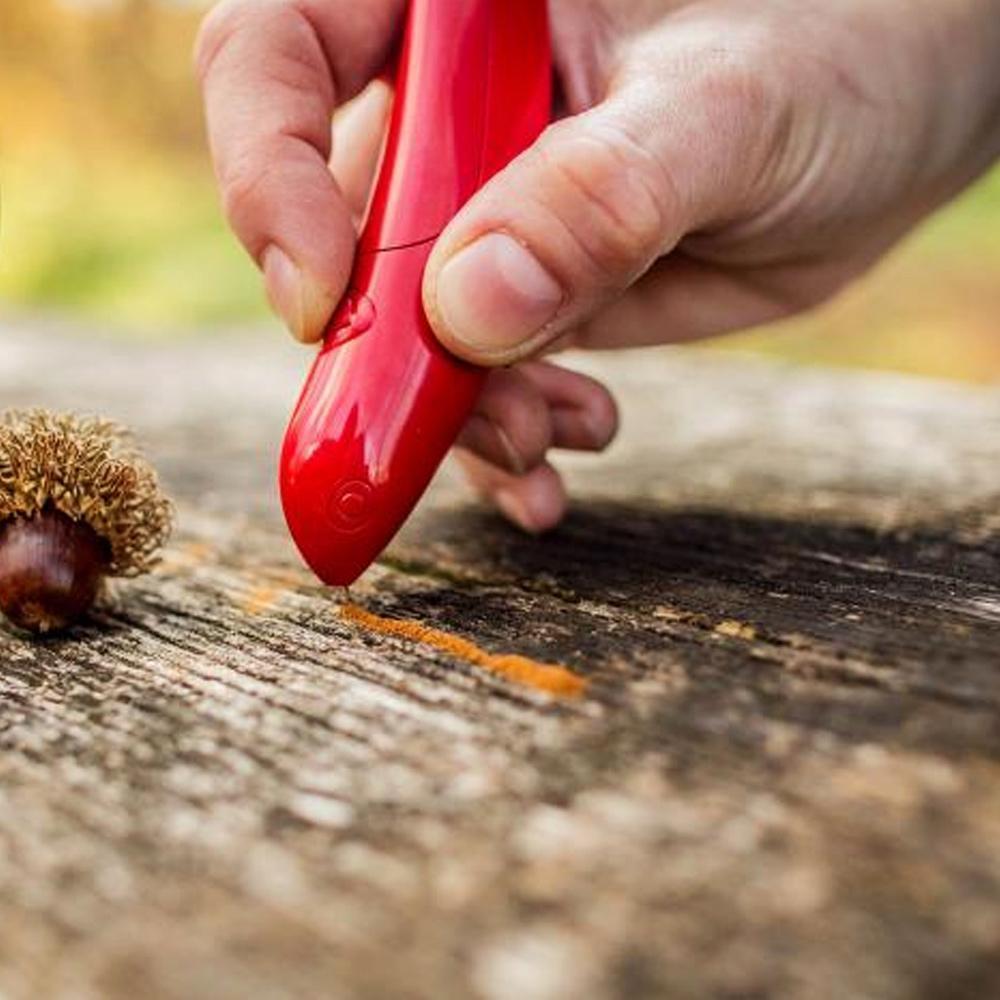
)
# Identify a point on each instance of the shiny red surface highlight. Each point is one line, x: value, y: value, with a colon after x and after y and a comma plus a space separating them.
x: 384, y: 401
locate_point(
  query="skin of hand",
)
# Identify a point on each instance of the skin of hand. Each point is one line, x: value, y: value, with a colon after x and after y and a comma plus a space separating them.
x: 717, y: 165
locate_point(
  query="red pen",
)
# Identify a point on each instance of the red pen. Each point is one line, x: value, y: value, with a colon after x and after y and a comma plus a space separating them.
x: 384, y: 401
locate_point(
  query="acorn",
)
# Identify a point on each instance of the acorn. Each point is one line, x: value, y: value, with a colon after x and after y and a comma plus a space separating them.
x: 78, y: 506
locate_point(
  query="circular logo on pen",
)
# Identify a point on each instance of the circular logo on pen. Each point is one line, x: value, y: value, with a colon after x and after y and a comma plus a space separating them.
x: 350, y: 505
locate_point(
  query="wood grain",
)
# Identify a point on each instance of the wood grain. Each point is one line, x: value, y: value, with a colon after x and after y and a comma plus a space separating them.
x: 782, y: 589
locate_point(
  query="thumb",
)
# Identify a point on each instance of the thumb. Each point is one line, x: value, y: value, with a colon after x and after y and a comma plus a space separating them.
x: 577, y: 219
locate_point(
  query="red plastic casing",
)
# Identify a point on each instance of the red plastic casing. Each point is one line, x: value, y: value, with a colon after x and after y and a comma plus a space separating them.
x: 384, y: 401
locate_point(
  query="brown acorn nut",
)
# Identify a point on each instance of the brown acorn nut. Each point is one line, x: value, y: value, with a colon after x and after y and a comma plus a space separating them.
x: 78, y: 504
x: 51, y: 569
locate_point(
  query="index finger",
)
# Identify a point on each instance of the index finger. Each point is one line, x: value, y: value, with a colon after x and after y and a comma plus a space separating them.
x: 272, y: 72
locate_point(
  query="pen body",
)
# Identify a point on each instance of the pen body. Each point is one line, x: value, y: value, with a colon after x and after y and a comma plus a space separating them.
x: 384, y: 401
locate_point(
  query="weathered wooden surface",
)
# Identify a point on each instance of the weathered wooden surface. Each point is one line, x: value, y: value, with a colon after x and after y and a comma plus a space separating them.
x: 783, y: 780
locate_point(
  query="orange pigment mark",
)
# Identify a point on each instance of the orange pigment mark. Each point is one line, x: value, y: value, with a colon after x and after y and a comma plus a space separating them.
x: 548, y: 677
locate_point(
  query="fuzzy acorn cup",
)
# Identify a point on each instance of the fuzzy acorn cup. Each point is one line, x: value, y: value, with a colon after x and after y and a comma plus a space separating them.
x: 78, y: 505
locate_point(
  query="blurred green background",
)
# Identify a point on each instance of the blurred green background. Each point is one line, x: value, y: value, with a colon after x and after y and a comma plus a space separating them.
x: 109, y: 210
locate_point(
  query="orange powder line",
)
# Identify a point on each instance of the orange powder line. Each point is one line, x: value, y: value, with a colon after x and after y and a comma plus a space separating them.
x: 548, y: 677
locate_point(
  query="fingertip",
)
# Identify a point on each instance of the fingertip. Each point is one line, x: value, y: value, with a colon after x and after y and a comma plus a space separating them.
x: 579, y: 431
x: 584, y: 413
x: 513, y: 507
x: 301, y: 300
x: 601, y: 418
x: 536, y: 503
x: 491, y: 301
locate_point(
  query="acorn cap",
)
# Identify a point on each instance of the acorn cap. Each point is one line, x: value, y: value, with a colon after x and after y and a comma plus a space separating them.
x: 90, y: 470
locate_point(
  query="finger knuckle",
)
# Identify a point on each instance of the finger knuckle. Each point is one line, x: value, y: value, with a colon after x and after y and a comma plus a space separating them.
x: 733, y: 80
x: 531, y: 435
x: 519, y: 408
x: 230, y: 20
x: 244, y: 185
x: 614, y: 195
x: 217, y: 29
x: 740, y: 86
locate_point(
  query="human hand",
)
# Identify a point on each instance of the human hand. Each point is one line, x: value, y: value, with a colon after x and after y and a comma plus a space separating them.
x: 720, y: 165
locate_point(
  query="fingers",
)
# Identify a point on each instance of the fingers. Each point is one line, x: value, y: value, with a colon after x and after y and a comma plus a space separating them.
x: 358, y: 134
x: 525, y: 411
x: 522, y: 413
x: 269, y: 96
x: 535, y: 502
x: 272, y: 72
x: 511, y: 427
x: 575, y: 221
x: 584, y: 414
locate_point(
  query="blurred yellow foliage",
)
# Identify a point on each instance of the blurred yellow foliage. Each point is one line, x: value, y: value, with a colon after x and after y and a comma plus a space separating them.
x: 99, y: 74
x: 109, y: 208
